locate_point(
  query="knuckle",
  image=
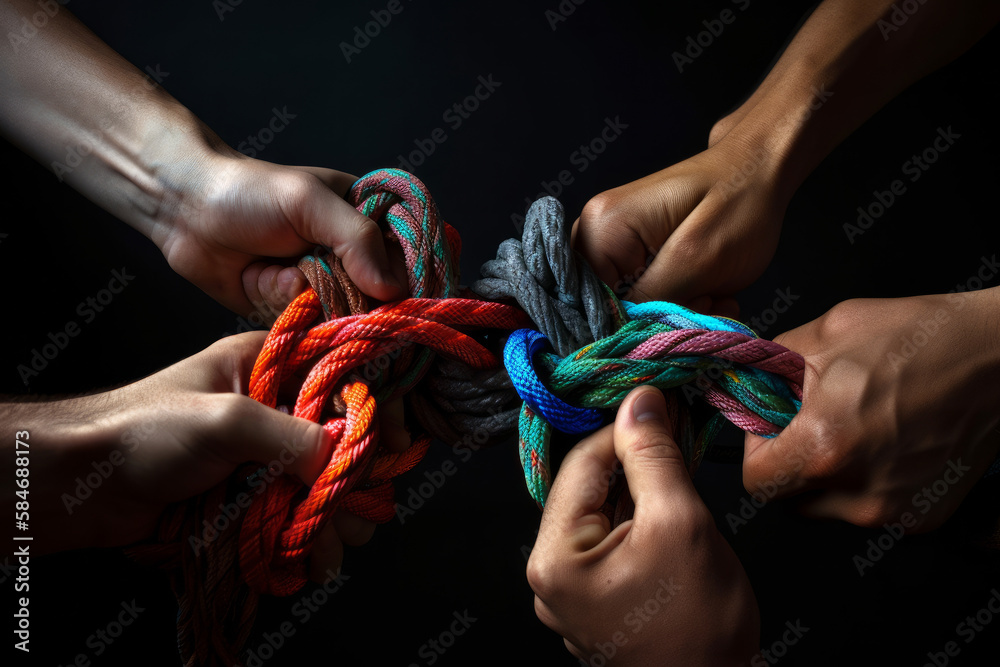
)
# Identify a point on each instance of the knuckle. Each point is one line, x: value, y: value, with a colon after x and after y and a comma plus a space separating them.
x: 601, y: 210
x: 876, y: 512
x: 544, y: 614
x: 543, y: 576
x: 841, y: 319
x: 299, y: 185
x: 654, y: 444
x: 366, y: 231
x: 830, y: 451
x: 691, y: 523
x: 226, y: 409
x: 691, y: 247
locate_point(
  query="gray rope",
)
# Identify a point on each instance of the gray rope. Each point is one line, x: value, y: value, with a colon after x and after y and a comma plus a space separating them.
x: 562, y: 296
x: 550, y: 282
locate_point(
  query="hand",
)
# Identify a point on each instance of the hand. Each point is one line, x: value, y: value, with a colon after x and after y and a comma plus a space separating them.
x: 898, y: 420
x: 663, y: 587
x: 168, y: 437
x: 241, y: 222
x: 694, y: 233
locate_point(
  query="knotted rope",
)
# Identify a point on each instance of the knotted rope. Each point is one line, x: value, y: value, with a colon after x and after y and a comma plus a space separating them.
x: 439, y: 349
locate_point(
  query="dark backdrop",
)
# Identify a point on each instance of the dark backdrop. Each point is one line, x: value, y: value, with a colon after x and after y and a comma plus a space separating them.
x: 464, y: 549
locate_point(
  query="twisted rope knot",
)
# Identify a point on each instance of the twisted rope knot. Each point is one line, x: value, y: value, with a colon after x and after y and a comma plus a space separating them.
x: 335, y: 361
x: 560, y: 292
x: 756, y: 384
x: 352, y: 361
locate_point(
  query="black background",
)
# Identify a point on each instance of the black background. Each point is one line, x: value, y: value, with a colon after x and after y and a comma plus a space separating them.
x: 464, y: 549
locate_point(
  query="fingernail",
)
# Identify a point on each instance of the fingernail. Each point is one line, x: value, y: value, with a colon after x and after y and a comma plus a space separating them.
x: 649, y: 406
x: 291, y: 284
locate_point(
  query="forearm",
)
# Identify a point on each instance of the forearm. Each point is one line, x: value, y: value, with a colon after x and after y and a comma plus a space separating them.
x: 847, y: 61
x: 99, y: 123
x: 60, y: 441
x: 978, y: 351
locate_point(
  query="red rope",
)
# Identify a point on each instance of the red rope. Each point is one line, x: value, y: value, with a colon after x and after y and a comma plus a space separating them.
x: 274, y: 543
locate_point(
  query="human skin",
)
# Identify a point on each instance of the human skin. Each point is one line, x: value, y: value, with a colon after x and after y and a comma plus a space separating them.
x: 232, y: 225
x: 165, y: 438
x: 709, y: 225
x: 870, y: 434
x: 898, y: 415
x: 647, y: 591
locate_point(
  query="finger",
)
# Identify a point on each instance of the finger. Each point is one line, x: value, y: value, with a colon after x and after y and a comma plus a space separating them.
x: 572, y: 520
x: 251, y: 431
x: 327, y: 555
x: 577, y: 652
x: 548, y: 617
x: 657, y: 475
x: 773, y: 467
x: 245, y: 430
x: 781, y: 466
x: 352, y: 529
x: 271, y: 287
x: 594, y: 253
x: 354, y: 238
x: 392, y: 428
x: 685, y: 267
x: 397, y: 264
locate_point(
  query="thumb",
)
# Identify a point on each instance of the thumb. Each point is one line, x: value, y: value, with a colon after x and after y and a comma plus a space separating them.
x: 779, y: 467
x: 283, y: 443
x: 657, y: 475
x: 354, y: 238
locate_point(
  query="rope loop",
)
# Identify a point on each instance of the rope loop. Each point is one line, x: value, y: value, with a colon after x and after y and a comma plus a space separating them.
x: 753, y: 383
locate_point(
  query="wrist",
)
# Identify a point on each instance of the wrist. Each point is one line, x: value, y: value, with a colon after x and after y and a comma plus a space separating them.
x: 978, y: 314
x: 178, y: 162
x: 779, y: 127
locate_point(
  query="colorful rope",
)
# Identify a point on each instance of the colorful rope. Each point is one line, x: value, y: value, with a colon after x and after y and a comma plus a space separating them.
x: 336, y: 361
x: 755, y: 384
